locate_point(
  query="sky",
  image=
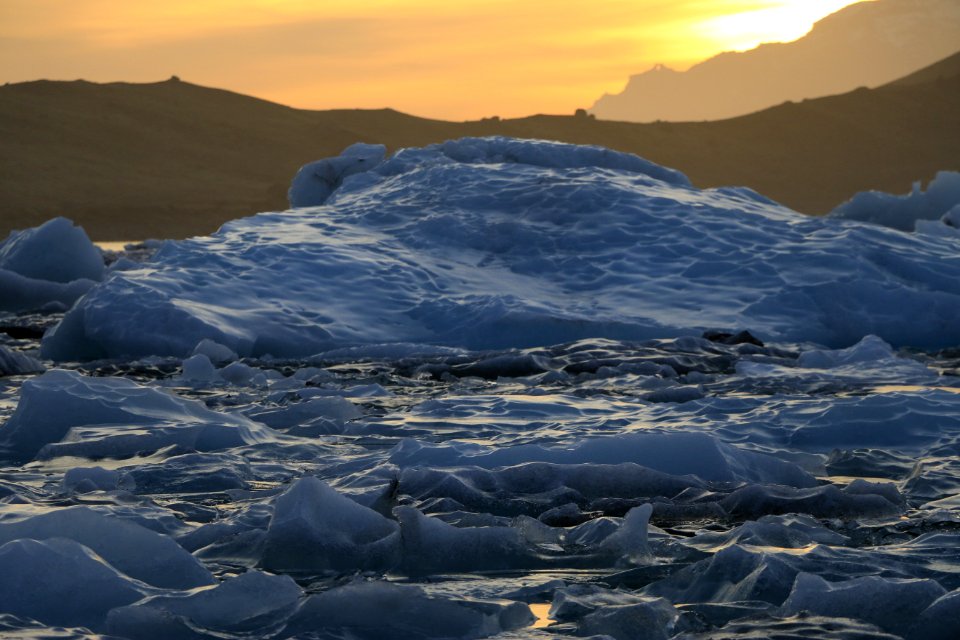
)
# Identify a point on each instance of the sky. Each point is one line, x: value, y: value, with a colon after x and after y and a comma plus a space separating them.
x: 448, y: 59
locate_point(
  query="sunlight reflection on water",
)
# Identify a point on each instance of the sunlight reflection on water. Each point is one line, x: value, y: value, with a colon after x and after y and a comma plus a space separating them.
x: 540, y: 611
x: 115, y: 245
x: 909, y: 388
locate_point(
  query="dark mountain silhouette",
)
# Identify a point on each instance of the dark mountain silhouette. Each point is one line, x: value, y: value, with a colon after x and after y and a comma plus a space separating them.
x: 865, y: 44
x: 172, y: 159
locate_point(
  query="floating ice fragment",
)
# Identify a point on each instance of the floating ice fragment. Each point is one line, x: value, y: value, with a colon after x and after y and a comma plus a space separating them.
x: 826, y: 501
x: 899, y: 421
x: 592, y: 533
x: 86, y: 479
x: 677, y: 394
x: 148, y: 556
x: 573, y: 602
x: 781, y: 531
x: 673, y: 453
x: 15, y: 363
x: 62, y: 402
x: 338, y: 410
x: 315, y: 529
x: 56, y: 251
x: 315, y: 182
x: 534, y: 153
x: 940, y: 621
x: 52, y: 263
x: 198, y: 368
x: 61, y: 582
x: 432, y: 546
x: 903, y: 212
x: 244, y: 604
x: 890, y: 603
x: 374, y: 610
x: 19, y: 293
x: 217, y: 353
x: 733, y: 574
x: 652, y: 619
x: 774, y: 627
x: 630, y: 540
x: 870, y: 349
x: 534, y: 487
x: 238, y: 373
x: 189, y: 473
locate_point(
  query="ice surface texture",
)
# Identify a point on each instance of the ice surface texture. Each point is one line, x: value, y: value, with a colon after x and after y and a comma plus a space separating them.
x: 488, y: 243
x: 54, y: 263
x: 421, y: 492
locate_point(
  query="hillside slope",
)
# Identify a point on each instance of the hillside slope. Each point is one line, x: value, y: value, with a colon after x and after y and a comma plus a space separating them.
x: 173, y: 159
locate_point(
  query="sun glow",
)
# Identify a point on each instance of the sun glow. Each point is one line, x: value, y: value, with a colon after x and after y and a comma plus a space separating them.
x: 778, y: 22
x: 435, y: 58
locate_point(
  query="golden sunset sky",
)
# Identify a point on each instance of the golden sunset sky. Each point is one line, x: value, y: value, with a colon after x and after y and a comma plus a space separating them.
x: 450, y: 59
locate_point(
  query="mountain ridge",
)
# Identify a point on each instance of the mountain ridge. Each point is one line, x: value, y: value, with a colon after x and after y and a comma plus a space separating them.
x: 864, y: 44
x: 171, y: 159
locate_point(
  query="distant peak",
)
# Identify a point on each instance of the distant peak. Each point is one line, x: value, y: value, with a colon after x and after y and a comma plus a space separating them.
x: 863, y: 44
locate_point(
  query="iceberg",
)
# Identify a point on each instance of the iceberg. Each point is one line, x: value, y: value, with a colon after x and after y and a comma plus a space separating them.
x: 53, y: 264
x: 494, y: 242
x: 939, y: 202
x: 315, y: 529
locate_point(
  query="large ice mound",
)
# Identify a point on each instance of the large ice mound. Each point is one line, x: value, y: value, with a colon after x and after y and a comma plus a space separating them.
x: 488, y: 243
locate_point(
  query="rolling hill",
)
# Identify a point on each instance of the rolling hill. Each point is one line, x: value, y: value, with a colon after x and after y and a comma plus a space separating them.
x: 173, y: 159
